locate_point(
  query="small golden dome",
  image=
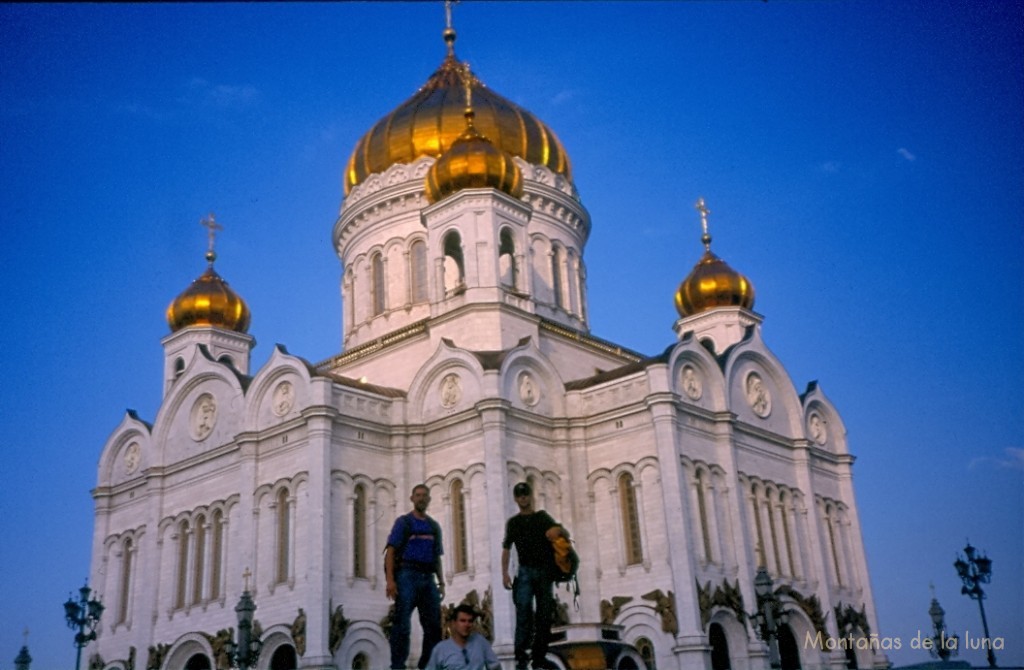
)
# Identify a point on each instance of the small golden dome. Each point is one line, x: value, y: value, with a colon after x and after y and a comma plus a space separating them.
x: 431, y: 121
x: 473, y: 162
x: 209, y: 301
x: 712, y: 283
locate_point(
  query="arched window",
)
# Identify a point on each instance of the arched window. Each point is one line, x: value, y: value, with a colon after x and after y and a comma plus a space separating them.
x: 182, y: 576
x: 705, y: 531
x: 769, y: 494
x: 126, y: 580
x: 630, y: 520
x: 556, y: 276
x: 377, y: 283
x: 460, y: 556
x: 719, y: 647
x: 199, y: 557
x: 508, y: 272
x: 786, y: 535
x: 179, y: 367
x: 283, y: 536
x: 454, y: 268
x: 789, y: 650
x: 418, y: 271
x: 359, y: 532
x: 216, y: 551
x: 360, y: 662
x: 284, y: 658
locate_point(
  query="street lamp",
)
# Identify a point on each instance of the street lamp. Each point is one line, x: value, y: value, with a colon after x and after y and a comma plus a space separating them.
x: 943, y: 646
x: 770, y: 615
x: 83, y: 616
x: 246, y: 649
x: 974, y: 572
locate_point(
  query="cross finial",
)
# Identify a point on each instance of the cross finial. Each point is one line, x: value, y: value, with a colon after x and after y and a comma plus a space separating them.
x: 246, y: 575
x: 467, y: 87
x: 25, y: 634
x: 449, y: 31
x: 211, y: 225
x: 931, y: 587
x: 702, y: 207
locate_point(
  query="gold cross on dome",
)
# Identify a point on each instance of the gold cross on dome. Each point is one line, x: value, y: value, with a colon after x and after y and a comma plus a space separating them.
x: 702, y: 207
x: 448, y: 13
x: 211, y: 225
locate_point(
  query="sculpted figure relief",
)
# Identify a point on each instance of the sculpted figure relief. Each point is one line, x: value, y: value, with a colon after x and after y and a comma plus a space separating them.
x: 204, y: 416
x: 284, y: 398
x: 692, y: 385
x: 451, y: 390
x: 817, y: 428
x: 528, y: 390
x: 758, y: 396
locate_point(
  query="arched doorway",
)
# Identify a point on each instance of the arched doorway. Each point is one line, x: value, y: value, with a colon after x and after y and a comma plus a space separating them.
x: 284, y: 658
x: 719, y: 647
x: 789, y: 653
x: 198, y: 662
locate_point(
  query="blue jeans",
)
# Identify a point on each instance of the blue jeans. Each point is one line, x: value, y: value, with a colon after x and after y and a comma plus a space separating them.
x: 533, y: 627
x: 416, y: 590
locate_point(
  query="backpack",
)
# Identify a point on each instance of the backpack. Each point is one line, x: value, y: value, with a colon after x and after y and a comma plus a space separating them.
x: 567, y: 563
x: 399, y: 549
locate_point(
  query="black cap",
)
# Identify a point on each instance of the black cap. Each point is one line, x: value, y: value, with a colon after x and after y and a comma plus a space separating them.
x: 522, y: 489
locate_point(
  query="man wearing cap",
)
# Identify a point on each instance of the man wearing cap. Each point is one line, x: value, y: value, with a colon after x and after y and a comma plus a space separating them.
x: 527, y: 531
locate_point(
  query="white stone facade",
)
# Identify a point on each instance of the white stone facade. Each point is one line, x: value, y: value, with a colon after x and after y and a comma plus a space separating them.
x: 678, y: 475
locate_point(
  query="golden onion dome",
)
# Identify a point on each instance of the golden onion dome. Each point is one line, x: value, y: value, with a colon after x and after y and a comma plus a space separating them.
x: 712, y: 282
x: 209, y: 301
x: 431, y: 121
x: 473, y: 161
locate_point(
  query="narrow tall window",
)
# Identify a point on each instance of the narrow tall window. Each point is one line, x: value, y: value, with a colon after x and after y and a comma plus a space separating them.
x: 556, y: 277
x: 182, y: 577
x: 418, y: 271
x: 454, y: 268
x: 283, y: 535
x: 771, y: 529
x: 200, y: 560
x: 359, y: 532
x: 126, y: 581
x: 460, y: 556
x: 762, y: 558
x: 705, y: 531
x: 830, y: 523
x: 783, y: 503
x: 216, y: 550
x: 507, y: 259
x: 630, y: 520
x: 377, y: 283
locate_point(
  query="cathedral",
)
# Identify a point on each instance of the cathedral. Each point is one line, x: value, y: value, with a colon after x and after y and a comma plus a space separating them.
x: 710, y: 499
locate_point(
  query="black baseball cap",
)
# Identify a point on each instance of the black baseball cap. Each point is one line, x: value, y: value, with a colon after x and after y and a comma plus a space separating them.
x: 522, y: 489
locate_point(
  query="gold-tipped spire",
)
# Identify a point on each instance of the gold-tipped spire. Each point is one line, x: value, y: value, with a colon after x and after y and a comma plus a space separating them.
x: 449, y: 32
x: 711, y: 283
x: 209, y: 301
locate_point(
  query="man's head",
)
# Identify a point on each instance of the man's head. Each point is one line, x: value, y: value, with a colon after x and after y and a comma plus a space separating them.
x: 523, y: 495
x: 420, y: 498
x: 463, y: 618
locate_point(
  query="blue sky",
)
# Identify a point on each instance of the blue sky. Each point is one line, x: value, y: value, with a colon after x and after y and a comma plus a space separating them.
x: 863, y: 161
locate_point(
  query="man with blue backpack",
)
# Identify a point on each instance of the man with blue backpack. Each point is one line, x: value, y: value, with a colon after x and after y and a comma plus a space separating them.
x: 412, y: 569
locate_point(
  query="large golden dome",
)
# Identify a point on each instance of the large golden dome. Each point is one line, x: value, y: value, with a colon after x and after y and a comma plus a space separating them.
x: 712, y: 282
x: 209, y: 301
x: 428, y: 123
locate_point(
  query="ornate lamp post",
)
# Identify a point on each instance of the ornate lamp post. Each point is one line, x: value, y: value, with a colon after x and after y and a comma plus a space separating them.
x: 943, y: 646
x: 83, y: 616
x: 974, y: 572
x: 246, y: 648
x: 770, y: 615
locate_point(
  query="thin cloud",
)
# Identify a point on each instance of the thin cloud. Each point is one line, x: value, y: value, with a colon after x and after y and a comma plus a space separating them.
x: 906, y: 154
x: 563, y: 97
x: 831, y: 167
x: 201, y: 93
x: 1013, y: 459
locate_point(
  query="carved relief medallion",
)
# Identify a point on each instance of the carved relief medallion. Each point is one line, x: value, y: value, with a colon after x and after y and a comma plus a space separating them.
x: 451, y: 390
x: 816, y: 428
x: 693, y: 387
x: 284, y: 398
x: 758, y: 396
x: 132, y: 455
x: 528, y: 391
x: 204, y: 416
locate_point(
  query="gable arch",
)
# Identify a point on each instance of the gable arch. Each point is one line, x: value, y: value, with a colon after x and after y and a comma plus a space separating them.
x: 834, y: 437
x: 710, y: 390
x: 433, y: 396
x: 785, y: 413
x: 112, y: 466
x: 526, y: 370
x: 278, y: 392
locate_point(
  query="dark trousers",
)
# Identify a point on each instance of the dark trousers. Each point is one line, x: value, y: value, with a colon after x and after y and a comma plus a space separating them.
x: 533, y: 626
x: 416, y: 590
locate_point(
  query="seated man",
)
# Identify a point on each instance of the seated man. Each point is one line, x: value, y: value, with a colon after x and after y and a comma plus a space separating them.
x: 465, y: 649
